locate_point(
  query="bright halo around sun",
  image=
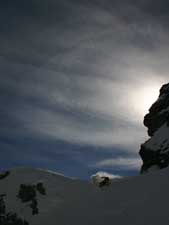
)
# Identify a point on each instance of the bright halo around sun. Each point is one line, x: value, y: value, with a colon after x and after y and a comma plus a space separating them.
x: 143, y: 98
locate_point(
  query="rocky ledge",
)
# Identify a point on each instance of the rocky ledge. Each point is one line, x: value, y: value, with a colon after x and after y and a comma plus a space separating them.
x: 155, y: 151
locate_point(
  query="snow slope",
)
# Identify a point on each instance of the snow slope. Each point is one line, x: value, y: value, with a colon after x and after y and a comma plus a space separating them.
x: 141, y: 200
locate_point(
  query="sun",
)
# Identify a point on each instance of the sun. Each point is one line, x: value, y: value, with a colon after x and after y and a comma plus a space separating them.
x: 148, y: 96
x: 143, y: 98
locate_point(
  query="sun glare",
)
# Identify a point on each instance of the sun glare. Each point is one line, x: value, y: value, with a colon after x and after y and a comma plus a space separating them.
x: 148, y: 97
x: 143, y: 98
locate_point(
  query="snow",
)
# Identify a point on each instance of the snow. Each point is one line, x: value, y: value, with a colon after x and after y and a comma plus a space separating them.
x: 160, y: 139
x: 141, y: 200
x: 153, y: 168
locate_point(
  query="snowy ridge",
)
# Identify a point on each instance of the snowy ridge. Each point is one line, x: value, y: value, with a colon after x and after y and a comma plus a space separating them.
x: 141, y: 200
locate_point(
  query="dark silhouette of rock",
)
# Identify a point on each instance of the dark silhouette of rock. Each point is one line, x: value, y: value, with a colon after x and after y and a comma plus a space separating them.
x: 34, y: 206
x: 28, y: 193
x: 158, y: 114
x: 105, y: 182
x: 2, y: 205
x: 9, y: 218
x: 155, y: 151
x: 40, y: 188
x: 4, y: 174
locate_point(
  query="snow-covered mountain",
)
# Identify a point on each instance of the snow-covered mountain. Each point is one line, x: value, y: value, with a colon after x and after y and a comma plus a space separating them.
x: 155, y: 151
x: 141, y: 200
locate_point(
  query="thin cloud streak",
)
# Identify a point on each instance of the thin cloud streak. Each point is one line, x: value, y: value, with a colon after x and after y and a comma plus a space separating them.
x: 77, y: 71
x: 120, y: 163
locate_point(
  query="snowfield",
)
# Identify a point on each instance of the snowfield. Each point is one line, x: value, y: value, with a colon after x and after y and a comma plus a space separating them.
x: 141, y: 200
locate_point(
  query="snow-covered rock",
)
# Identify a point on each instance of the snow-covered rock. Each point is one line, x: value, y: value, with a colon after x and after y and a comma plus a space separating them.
x: 155, y: 151
x: 102, y: 179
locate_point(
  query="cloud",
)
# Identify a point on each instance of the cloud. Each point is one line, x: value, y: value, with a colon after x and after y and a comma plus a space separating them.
x: 76, y: 72
x: 120, y: 163
x: 105, y: 174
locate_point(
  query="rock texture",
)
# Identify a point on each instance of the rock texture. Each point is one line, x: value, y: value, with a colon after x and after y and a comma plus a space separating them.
x: 155, y: 151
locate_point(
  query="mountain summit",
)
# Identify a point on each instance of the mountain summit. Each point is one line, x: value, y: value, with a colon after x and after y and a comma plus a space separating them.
x: 155, y: 151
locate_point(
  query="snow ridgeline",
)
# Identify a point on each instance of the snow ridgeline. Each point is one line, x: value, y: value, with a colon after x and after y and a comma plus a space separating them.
x: 141, y: 200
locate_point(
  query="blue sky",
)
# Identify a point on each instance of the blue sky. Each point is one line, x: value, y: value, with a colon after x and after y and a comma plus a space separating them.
x: 76, y: 79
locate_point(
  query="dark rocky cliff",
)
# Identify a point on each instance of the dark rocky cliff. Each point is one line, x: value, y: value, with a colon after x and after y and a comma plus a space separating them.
x: 155, y: 151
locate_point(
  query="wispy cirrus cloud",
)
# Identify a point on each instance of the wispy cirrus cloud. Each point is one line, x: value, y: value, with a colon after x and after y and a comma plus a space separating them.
x: 76, y: 71
x: 120, y: 163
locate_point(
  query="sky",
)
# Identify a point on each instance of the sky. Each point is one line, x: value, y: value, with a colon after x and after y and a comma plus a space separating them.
x: 76, y: 79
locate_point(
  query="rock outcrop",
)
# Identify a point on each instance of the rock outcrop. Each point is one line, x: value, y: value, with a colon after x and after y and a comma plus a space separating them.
x: 155, y: 151
x: 28, y: 194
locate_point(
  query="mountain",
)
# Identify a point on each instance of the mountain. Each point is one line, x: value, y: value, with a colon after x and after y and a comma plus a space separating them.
x: 141, y: 200
x: 155, y: 151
